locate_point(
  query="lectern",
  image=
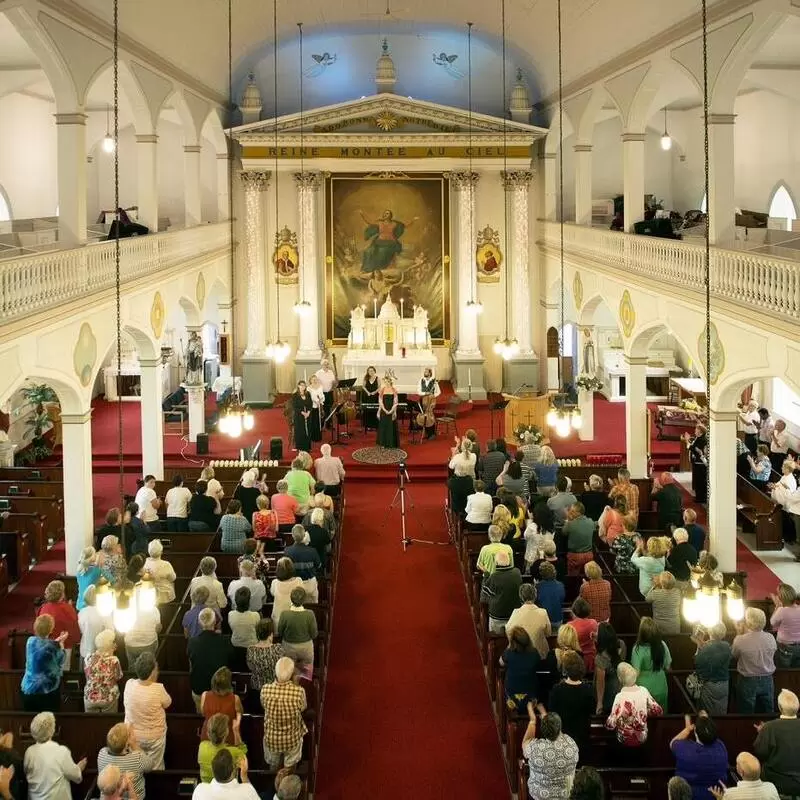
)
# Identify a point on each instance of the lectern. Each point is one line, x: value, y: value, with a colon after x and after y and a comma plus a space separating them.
x: 528, y: 409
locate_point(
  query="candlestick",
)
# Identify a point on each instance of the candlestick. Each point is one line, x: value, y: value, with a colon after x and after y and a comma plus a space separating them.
x: 401, y: 307
x: 305, y: 375
x: 469, y: 377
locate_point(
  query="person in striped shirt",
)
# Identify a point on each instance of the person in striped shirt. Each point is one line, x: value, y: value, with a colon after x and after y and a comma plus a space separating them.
x: 123, y: 751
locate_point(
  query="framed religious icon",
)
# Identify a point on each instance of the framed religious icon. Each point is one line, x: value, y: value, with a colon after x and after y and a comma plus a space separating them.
x: 387, y: 234
x: 286, y: 258
x: 488, y: 255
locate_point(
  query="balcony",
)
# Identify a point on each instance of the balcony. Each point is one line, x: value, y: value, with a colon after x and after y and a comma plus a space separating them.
x: 37, y: 282
x: 753, y: 280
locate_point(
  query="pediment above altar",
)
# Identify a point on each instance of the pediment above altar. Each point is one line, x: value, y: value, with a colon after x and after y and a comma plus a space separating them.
x: 387, y: 114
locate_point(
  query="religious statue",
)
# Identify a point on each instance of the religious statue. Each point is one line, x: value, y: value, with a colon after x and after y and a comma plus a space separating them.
x: 589, y: 363
x: 384, y: 245
x: 194, y: 360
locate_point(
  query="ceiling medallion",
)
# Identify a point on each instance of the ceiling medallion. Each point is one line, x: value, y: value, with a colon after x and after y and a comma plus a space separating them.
x: 387, y: 121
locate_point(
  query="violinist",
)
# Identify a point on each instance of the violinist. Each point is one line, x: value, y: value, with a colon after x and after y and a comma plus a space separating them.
x: 327, y: 382
x: 303, y: 407
x: 370, y: 395
x: 429, y: 390
x: 315, y: 421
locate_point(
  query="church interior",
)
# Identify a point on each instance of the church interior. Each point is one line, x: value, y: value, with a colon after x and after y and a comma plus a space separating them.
x: 399, y: 397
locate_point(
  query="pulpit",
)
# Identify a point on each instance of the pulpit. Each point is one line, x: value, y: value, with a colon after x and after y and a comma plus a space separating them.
x: 528, y: 409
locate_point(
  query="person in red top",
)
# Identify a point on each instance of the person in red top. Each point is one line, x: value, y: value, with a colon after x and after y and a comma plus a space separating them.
x: 596, y: 592
x: 65, y: 617
x: 285, y: 506
x: 586, y: 628
x: 265, y: 527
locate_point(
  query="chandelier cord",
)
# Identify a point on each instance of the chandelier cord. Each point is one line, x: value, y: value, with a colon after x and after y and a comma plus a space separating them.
x: 302, y: 176
x: 560, y: 196
x: 275, y: 92
x: 706, y: 165
x: 229, y: 151
x: 505, y: 161
x: 469, y: 177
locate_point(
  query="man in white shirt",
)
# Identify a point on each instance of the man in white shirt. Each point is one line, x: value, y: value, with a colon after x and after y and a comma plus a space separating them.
x: 224, y: 786
x: 749, y: 420
x: 750, y: 787
x: 766, y: 425
x: 91, y: 623
x: 327, y: 380
x: 147, y: 500
x: 49, y: 767
x: 258, y: 592
x: 779, y: 445
x: 177, y: 501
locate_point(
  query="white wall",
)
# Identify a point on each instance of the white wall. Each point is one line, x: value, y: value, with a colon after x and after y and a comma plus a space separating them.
x: 101, y: 175
x: 28, y: 161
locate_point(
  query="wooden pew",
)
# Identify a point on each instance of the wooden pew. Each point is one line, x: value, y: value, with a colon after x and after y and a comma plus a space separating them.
x: 33, y: 488
x: 15, y: 547
x: 32, y: 473
x: 760, y: 514
x: 40, y: 533
x: 50, y: 507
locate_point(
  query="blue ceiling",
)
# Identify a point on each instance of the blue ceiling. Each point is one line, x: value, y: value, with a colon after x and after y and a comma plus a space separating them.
x: 348, y: 72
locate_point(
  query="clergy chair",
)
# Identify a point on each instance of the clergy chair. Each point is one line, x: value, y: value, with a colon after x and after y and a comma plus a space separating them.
x: 449, y: 417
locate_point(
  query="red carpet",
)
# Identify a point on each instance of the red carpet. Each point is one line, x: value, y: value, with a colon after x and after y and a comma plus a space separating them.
x: 407, y: 713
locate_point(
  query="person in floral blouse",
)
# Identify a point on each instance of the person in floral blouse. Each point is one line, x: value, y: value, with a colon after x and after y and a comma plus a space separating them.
x: 631, y: 708
x: 103, y: 674
x: 263, y: 656
x: 624, y: 546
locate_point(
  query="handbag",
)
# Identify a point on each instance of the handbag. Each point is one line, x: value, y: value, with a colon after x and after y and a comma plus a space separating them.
x: 694, y: 686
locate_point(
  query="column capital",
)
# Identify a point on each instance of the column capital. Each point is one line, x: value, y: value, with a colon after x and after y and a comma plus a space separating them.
x: 716, y: 415
x: 149, y: 363
x: 224, y: 157
x: 255, y: 181
x: 462, y: 180
x: 634, y: 361
x: 633, y: 137
x: 77, y: 419
x: 73, y: 118
x: 582, y: 148
x: 516, y: 179
x: 721, y: 119
x: 192, y: 148
x: 548, y: 156
x: 147, y: 138
x: 308, y: 181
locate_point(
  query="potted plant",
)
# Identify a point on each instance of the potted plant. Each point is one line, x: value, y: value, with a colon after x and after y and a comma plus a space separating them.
x: 588, y: 382
x: 38, y: 395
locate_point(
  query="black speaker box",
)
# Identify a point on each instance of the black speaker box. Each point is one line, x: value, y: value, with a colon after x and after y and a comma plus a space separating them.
x: 276, y: 448
x: 202, y: 444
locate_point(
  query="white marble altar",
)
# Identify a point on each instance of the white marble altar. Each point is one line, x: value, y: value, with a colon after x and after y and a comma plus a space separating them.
x: 660, y: 364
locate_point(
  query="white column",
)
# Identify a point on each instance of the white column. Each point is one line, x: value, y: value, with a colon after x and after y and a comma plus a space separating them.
x: 223, y: 187
x: 308, y: 184
x: 71, y: 134
x: 192, y: 186
x: 721, y: 205
x: 197, y: 411
x: 586, y: 406
x: 254, y: 183
x: 550, y: 170
x: 76, y: 432
x: 516, y: 186
x: 583, y: 184
x: 463, y: 184
x: 636, y: 416
x: 633, y: 178
x: 722, y: 484
x: 147, y: 180
x: 152, y: 417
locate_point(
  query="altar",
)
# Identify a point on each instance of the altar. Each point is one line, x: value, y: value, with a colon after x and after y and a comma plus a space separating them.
x: 661, y: 367
x: 387, y: 341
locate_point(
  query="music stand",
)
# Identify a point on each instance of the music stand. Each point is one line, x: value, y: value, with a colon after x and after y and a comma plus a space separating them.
x: 347, y: 384
x: 496, y: 406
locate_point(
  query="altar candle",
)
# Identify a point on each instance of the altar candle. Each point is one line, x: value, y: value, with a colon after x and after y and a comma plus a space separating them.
x: 305, y: 375
x: 401, y: 306
x: 469, y: 377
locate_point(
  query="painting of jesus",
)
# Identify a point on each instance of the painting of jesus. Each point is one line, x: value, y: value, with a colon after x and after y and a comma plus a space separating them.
x: 387, y: 234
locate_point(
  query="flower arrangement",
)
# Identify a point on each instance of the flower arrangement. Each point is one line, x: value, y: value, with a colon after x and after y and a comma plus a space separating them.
x: 522, y: 429
x: 588, y: 382
x: 690, y: 404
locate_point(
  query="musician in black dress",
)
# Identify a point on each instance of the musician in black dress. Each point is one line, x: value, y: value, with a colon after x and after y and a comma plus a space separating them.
x: 428, y: 390
x: 387, y: 415
x: 303, y: 407
x: 315, y: 421
x: 369, y: 395
x: 697, y: 446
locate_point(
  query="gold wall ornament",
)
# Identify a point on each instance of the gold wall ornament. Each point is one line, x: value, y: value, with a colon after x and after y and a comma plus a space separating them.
x: 158, y: 314
x: 286, y: 258
x: 627, y: 314
x: 84, y: 356
x: 577, y: 290
x: 488, y: 255
x: 386, y: 121
x: 200, y: 291
x: 717, y: 354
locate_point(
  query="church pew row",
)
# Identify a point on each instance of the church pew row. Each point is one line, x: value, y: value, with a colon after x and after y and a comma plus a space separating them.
x: 15, y: 547
x: 758, y: 513
x: 50, y: 507
x: 32, y: 488
x: 38, y: 472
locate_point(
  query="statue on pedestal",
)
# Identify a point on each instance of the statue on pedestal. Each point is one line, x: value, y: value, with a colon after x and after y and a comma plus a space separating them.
x: 194, y: 360
x: 589, y: 363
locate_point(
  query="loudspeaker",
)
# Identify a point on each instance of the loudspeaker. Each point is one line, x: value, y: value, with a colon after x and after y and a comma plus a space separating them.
x: 202, y: 444
x: 276, y: 448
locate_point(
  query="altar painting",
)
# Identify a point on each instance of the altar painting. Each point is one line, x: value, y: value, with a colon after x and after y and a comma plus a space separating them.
x: 387, y: 234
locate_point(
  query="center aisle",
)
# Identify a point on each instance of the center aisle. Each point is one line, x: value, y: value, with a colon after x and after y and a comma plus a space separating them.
x: 407, y: 713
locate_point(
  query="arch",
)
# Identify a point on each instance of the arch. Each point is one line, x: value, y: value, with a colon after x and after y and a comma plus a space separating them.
x: 6, y: 213
x: 190, y: 309
x: 643, y: 337
x: 135, y: 102
x: 730, y: 388
x: 553, y: 141
x: 587, y: 310
x: 213, y: 131
x: 71, y: 398
x: 782, y: 204
x: 191, y: 136
x: 146, y: 347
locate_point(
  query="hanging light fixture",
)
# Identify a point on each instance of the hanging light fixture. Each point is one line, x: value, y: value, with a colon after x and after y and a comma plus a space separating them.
x: 302, y: 307
x: 473, y: 305
x: 236, y: 417
x: 666, y: 139
x: 109, y: 141
x: 146, y: 594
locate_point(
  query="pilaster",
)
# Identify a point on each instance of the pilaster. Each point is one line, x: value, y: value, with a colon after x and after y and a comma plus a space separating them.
x: 550, y: 171
x: 71, y: 146
x: 721, y: 190
x: 722, y: 485
x: 76, y: 432
x: 147, y: 180
x: 254, y: 184
x: 223, y: 198
x: 308, y: 185
x: 583, y: 184
x: 152, y: 419
x: 636, y: 444
x: 633, y: 178
x: 192, y: 185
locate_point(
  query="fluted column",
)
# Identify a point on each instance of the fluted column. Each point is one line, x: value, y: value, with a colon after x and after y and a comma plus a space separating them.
x: 583, y: 184
x: 254, y: 184
x: 463, y: 184
x: 516, y: 185
x: 308, y: 184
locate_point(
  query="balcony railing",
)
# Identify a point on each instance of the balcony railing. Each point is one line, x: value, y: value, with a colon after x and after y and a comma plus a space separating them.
x: 37, y: 282
x: 754, y: 280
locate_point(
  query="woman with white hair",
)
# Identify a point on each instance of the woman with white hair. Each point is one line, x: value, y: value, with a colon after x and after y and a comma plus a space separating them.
x: 44, y: 665
x: 208, y: 578
x: 111, y: 558
x: 631, y: 708
x: 49, y: 767
x: 319, y: 535
x: 681, y: 558
x: 248, y: 492
x: 91, y: 623
x: 552, y: 756
x: 776, y: 746
x: 161, y: 572
x: 712, y: 663
x: 247, y: 580
x: 594, y: 498
x: 754, y: 650
x: 103, y: 674
x: 88, y: 574
x: 330, y: 471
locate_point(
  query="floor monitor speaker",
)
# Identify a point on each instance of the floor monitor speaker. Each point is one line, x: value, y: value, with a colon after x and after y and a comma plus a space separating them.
x: 202, y: 444
x: 276, y: 448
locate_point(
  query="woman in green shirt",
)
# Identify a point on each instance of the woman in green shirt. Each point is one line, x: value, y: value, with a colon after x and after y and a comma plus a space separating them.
x: 301, y: 484
x: 217, y: 734
x: 652, y: 659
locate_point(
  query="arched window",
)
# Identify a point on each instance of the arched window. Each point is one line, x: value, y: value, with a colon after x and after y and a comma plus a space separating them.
x: 5, y: 207
x: 782, y: 206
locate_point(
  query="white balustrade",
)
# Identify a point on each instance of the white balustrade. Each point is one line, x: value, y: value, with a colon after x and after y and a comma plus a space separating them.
x: 765, y: 282
x: 42, y: 281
